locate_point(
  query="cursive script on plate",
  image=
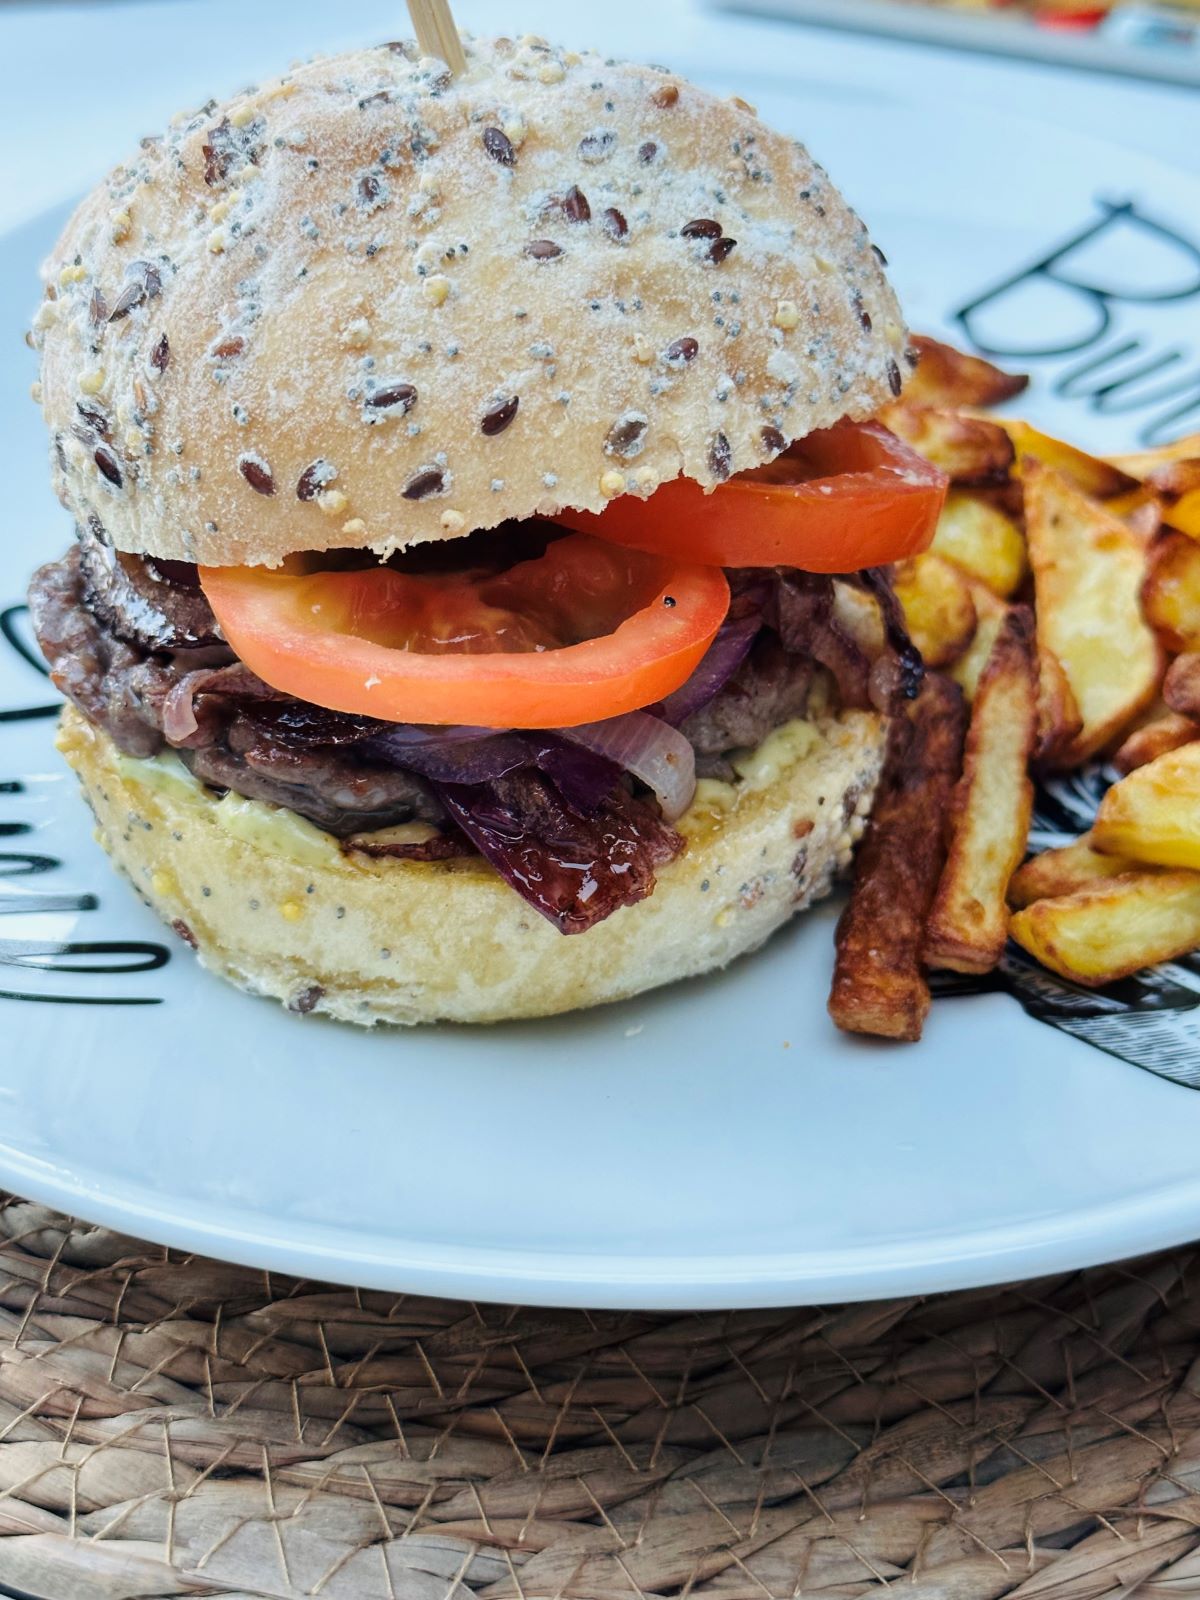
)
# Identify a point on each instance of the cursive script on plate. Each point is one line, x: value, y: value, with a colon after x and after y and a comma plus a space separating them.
x: 94, y: 958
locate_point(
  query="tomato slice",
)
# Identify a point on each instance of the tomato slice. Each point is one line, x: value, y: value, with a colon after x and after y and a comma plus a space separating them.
x: 848, y: 497
x: 584, y: 631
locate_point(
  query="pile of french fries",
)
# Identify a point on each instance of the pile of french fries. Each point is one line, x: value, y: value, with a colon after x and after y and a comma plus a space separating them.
x: 1058, y: 609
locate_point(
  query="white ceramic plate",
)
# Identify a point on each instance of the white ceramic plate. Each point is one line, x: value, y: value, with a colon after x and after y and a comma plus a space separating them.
x: 716, y: 1145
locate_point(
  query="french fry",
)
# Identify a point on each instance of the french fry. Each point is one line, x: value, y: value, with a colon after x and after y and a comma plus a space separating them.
x: 1172, y: 470
x: 949, y: 377
x: 980, y: 539
x: 968, y: 923
x: 1062, y: 871
x: 1059, y: 720
x: 878, y: 986
x: 1088, y: 570
x: 1181, y: 687
x: 990, y: 612
x: 1091, y: 474
x: 1171, y: 591
x: 969, y: 450
x: 1153, y: 815
x: 1142, y: 464
x: 938, y: 608
x: 1185, y: 514
x: 1140, y: 507
x: 1108, y: 930
x: 1154, y: 739
x: 1144, y: 520
x: 1176, y: 478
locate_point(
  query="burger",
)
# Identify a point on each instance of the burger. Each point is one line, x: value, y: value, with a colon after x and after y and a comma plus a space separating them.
x: 479, y: 604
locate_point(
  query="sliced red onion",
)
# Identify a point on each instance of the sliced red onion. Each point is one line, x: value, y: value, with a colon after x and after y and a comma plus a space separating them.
x: 179, y: 706
x: 421, y: 733
x: 648, y: 747
x: 717, y: 665
x: 465, y: 755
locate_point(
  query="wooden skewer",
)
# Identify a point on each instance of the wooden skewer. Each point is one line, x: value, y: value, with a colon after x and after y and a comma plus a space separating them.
x: 436, y: 33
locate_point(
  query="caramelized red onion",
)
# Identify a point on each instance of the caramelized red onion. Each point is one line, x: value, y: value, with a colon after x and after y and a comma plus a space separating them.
x: 650, y: 749
x: 179, y: 707
x: 179, y: 720
x: 718, y: 664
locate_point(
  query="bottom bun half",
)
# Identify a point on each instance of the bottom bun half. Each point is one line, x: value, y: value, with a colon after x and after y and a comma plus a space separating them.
x: 277, y: 907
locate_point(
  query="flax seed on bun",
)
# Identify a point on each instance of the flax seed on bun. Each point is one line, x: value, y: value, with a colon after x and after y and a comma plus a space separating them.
x: 369, y: 305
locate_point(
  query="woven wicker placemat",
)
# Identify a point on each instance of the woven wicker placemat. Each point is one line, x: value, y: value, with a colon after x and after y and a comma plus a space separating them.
x: 171, y: 1426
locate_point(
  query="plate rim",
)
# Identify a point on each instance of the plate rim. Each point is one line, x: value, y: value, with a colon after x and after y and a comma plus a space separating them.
x: 1157, y: 1219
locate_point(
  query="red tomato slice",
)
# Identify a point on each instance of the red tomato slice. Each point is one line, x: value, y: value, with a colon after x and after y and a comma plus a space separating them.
x: 587, y: 630
x: 849, y: 497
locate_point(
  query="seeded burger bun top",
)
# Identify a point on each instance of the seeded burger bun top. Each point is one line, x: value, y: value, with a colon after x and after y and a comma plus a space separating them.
x: 370, y: 305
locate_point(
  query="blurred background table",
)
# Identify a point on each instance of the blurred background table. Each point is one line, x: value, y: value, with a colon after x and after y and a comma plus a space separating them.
x: 1158, y: 41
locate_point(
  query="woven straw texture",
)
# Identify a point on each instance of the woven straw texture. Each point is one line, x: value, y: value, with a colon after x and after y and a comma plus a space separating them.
x: 172, y: 1426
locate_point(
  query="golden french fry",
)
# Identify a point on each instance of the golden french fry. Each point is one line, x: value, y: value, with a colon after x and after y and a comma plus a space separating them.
x: 878, y: 986
x: 1062, y: 871
x: 938, y: 608
x: 1185, y: 514
x: 1171, y: 591
x: 1176, y: 478
x: 1181, y: 687
x: 1144, y: 520
x: 1108, y: 930
x: 1141, y: 510
x: 1154, y: 739
x: 990, y: 612
x: 1172, y: 470
x: 949, y: 377
x: 968, y: 922
x: 979, y: 538
x: 1141, y: 464
x: 1153, y: 815
x: 1091, y: 474
x: 1139, y: 507
x: 969, y: 450
x: 1059, y: 720
x: 1088, y: 569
